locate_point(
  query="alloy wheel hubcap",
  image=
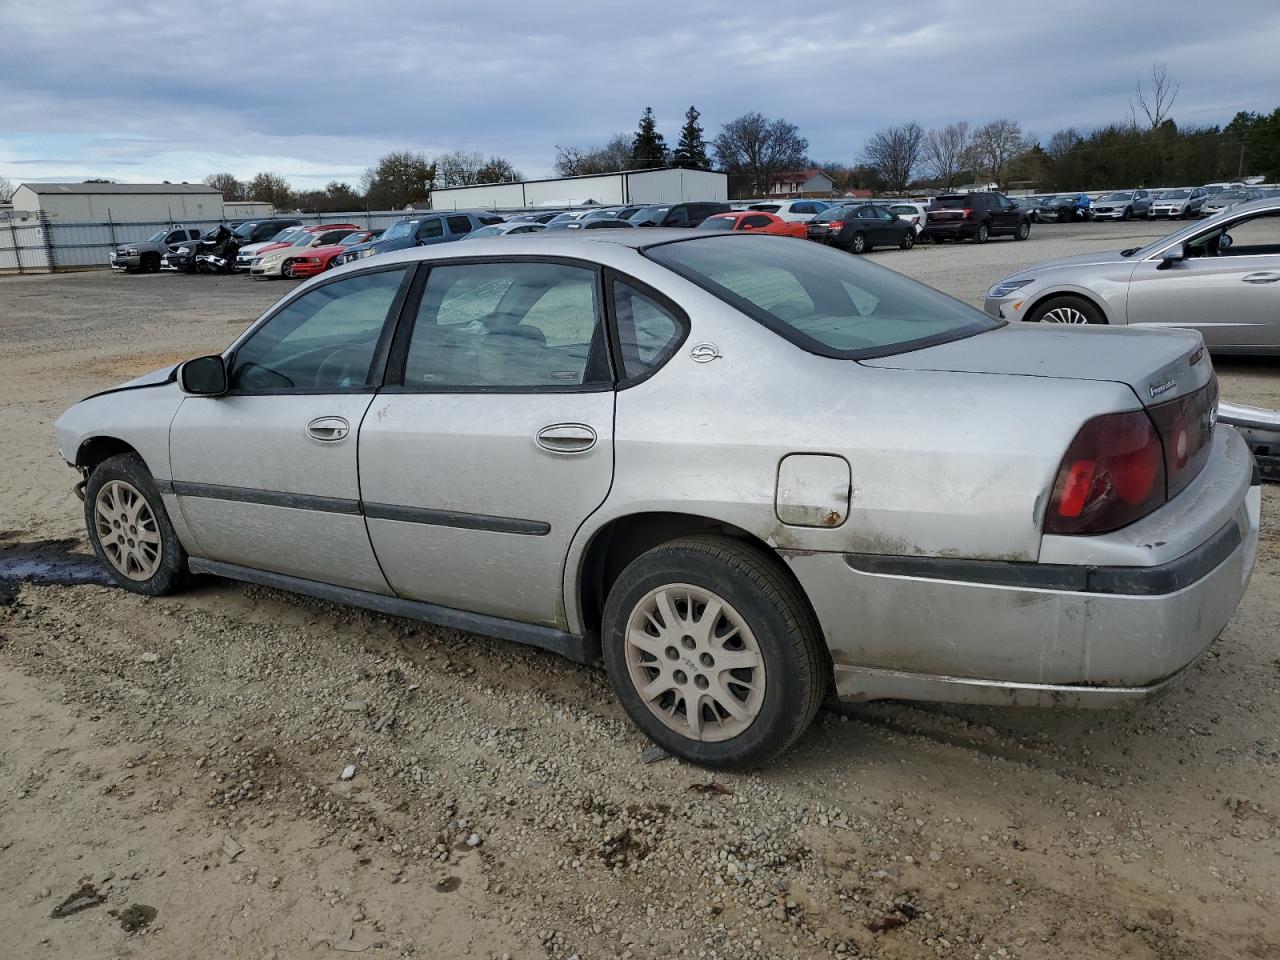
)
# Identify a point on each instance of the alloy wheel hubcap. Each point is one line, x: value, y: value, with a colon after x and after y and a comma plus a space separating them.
x: 127, y: 530
x: 1064, y: 315
x: 695, y: 662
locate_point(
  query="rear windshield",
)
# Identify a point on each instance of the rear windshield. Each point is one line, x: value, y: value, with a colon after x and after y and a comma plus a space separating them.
x: 952, y: 202
x: 1118, y: 196
x: 821, y: 299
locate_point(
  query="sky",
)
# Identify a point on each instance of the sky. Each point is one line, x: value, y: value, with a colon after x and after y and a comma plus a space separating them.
x: 317, y: 91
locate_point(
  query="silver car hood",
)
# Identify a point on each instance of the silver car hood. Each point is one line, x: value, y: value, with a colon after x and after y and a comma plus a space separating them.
x: 160, y: 375
x: 1079, y: 260
x: 1154, y: 363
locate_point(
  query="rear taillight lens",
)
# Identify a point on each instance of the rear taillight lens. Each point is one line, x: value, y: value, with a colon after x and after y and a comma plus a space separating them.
x: 1113, y: 474
x: 1185, y: 426
x: 835, y: 225
x: 968, y: 212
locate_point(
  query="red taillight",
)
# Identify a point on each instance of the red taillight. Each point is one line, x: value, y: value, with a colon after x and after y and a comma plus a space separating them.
x: 968, y: 212
x: 1113, y: 474
x: 835, y: 225
x: 1186, y: 427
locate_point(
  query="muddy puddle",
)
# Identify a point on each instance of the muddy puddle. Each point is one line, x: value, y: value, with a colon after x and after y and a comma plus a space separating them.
x: 47, y: 562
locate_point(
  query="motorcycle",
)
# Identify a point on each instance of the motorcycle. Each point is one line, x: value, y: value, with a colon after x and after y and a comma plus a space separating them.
x: 217, y: 251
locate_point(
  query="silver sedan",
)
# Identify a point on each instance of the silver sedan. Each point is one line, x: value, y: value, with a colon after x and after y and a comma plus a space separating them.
x: 739, y: 470
x: 1220, y: 276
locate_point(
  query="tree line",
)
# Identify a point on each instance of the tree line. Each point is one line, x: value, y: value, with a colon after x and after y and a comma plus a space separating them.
x: 1146, y: 149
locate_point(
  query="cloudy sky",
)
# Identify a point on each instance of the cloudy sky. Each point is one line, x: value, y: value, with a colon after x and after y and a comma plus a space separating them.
x: 318, y: 90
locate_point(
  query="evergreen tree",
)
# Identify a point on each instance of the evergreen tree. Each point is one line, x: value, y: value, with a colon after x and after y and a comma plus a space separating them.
x: 691, y: 152
x: 648, y: 149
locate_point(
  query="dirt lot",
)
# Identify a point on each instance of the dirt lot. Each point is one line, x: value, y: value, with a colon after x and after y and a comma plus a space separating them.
x: 180, y: 758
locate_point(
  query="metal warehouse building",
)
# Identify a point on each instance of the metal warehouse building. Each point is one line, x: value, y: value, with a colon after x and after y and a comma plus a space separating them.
x: 120, y: 202
x: 659, y: 185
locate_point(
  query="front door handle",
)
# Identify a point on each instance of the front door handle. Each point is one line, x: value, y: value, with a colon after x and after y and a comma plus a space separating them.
x: 328, y: 429
x: 566, y: 438
x: 1261, y: 277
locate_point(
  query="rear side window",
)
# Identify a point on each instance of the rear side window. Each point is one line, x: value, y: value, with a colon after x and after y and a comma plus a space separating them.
x: 507, y: 325
x: 820, y: 299
x: 648, y: 333
x: 459, y: 225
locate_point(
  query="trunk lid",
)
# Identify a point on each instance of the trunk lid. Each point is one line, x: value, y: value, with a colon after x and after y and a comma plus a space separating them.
x: 1158, y: 365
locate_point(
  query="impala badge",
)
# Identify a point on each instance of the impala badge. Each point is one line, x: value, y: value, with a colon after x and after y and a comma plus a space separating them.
x: 704, y: 353
x: 1157, y: 389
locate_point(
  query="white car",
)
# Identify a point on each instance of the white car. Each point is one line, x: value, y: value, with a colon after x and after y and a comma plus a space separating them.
x: 247, y: 255
x: 273, y: 263
x: 916, y: 213
x: 792, y: 211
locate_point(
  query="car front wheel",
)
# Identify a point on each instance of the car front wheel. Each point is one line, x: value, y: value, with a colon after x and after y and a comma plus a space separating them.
x: 130, y: 529
x: 1075, y: 310
x: 713, y: 652
x: 1024, y: 231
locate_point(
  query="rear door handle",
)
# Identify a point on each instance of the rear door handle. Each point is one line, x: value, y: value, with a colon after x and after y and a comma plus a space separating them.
x: 328, y: 429
x: 1261, y: 277
x: 566, y: 438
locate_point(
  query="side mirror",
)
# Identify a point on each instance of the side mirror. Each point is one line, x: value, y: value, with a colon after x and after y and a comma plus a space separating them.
x: 1224, y: 242
x: 316, y: 243
x: 1176, y: 255
x: 203, y: 377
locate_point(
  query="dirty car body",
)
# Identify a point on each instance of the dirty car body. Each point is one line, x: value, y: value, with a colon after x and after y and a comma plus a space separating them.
x: 548, y: 439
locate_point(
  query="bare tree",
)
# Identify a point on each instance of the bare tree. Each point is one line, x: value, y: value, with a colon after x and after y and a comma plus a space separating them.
x: 894, y: 152
x: 945, y: 151
x: 994, y: 144
x: 1062, y: 143
x: 6, y: 190
x: 610, y: 157
x: 756, y: 150
x: 228, y: 185
x: 1156, y: 104
x: 459, y: 168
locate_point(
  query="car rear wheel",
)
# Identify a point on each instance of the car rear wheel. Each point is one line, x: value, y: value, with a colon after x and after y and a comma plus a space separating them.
x: 713, y: 652
x: 1024, y: 230
x: 983, y: 234
x: 858, y: 243
x: 1073, y: 310
x: 130, y: 529
x: 908, y: 240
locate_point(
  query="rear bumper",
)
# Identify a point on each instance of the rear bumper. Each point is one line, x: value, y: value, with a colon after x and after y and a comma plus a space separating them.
x: 966, y: 228
x: 1082, y: 634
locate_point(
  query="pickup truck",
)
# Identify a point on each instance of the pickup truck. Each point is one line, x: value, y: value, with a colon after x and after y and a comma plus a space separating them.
x: 145, y: 256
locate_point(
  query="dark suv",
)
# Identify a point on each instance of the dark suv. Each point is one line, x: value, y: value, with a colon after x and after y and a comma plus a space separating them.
x: 976, y: 216
x: 255, y: 231
x: 677, y: 214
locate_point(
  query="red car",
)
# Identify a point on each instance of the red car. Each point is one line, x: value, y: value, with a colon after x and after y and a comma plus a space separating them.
x: 753, y: 221
x: 319, y: 259
x: 257, y: 252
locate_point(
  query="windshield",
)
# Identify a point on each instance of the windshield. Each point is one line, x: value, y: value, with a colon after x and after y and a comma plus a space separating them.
x: 1230, y: 195
x: 1118, y: 196
x: 157, y: 237
x: 718, y: 223
x: 822, y: 300
x: 245, y: 229
x: 649, y: 213
x: 304, y: 239
x: 484, y: 232
x: 1175, y: 195
x: 351, y: 239
x: 401, y: 229
x: 285, y: 236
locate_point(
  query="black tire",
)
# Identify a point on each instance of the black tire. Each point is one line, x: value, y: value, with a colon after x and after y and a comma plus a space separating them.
x: 796, y: 668
x: 172, y: 573
x: 858, y: 243
x: 982, y: 234
x: 908, y: 240
x: 1086, y: 308
x: 150, y: 263
x: 1128, y: 214
x: 1023, y: 231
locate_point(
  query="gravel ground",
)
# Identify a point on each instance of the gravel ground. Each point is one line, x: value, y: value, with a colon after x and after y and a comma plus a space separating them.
x: 239, y: 772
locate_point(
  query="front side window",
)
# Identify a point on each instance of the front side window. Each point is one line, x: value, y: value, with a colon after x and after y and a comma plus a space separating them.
x: 820, y: 299
x: 647, y: 331
x: 324, y: 340
x: 507, y: 325
x: 758, y: 220
x: 1252, y: 237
